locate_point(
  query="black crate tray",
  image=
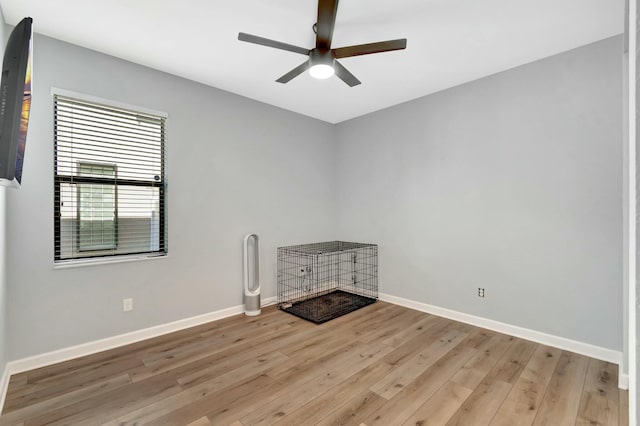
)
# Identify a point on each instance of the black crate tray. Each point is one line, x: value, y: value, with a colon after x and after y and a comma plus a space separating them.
x: 327, y: 306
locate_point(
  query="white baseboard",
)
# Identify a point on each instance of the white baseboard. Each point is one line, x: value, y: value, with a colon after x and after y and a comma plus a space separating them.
x: 587, y: 349
x: 623, y: 381
x: 65, y: 354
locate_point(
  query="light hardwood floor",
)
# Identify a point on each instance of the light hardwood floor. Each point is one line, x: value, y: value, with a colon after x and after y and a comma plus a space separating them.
x: 381, y: 365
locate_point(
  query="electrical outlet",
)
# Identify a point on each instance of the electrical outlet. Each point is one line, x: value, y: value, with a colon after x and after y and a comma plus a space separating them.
x: 127, y: 305
x: 480, y: 292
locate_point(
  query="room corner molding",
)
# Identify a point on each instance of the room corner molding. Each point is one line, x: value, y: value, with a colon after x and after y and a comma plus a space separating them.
x: 582, y: 348
x: 623, y: 381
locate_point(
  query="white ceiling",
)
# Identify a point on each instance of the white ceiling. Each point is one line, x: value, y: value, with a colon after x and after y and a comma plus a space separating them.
x: 449, y: 42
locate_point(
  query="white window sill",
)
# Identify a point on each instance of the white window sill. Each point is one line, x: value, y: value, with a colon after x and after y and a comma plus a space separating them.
x: 76, y: 263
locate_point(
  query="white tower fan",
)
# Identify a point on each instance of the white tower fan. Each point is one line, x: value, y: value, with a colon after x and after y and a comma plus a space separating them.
x: 251, y: 263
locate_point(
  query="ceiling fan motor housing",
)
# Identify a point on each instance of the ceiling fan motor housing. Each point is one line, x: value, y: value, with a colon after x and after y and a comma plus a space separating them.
x: 320, y: 56
x: 321, y: 63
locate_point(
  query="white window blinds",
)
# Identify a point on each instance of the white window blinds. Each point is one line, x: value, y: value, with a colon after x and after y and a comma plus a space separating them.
x: 109, y: 181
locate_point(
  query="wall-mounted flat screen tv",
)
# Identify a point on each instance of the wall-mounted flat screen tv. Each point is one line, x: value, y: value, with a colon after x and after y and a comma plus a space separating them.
x: 15, y: 103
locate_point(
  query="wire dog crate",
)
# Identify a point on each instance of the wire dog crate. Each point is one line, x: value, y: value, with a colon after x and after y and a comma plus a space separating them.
x: 322, y: 281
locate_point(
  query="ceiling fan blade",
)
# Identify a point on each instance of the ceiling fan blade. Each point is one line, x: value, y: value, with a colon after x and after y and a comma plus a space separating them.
x: 272, y: 43
x: 345, y: 75
x: 294, y: 72
x: 327, y: 10
x: 367, y: 49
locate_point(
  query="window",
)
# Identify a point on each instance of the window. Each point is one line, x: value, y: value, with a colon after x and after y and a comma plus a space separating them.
x: 97, y: 208
x: 109, y: 181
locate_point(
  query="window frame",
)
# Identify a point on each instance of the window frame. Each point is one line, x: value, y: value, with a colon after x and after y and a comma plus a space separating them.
x: 108, y: 255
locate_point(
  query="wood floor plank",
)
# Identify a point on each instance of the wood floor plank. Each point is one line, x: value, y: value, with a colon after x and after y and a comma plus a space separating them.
x: 194, y: 350
x: 247, y: 369
x: 222, y: 362
x: 207, y: 351
x: 365, y: 328
x: 599, y: 402
x: 355, y: 410
x: 623, y: 407
x: 300, y: 368
x: 393, y: 383
x: 194, y: 402
x: 69, y: 398
x: 474, y: 371
x: 483, y: 403
x: 408, y: 349
x: 389, y: 328
x: 317, y: 354
x: 200, y: 387
x: 561, y: 401
x: 19, y: 380
x: 480, y: 407
x: 522, y: 403
x: 412, y: 332
x: 399, y: 408
x: 103, y: 408
x: 377, y: 366
x: 41, y: 391
x: 307, y: 388
x: 202, y: 421
x: 439, y: 409
x: 513, y: 362
x: 319, y: 340
x: 135, y: 350
x: 218, y: 403
x: 121, y: 356
x: 334, y: 398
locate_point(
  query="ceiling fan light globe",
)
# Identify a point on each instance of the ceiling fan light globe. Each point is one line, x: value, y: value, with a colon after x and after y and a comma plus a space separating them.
x: 321, y: 71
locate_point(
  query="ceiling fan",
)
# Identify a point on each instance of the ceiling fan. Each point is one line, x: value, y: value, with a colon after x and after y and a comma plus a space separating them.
x: 322, y: 61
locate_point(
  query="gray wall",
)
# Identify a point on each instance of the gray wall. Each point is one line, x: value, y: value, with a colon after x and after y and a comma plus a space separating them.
x: 235, y: 166
x: 512, y: 183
